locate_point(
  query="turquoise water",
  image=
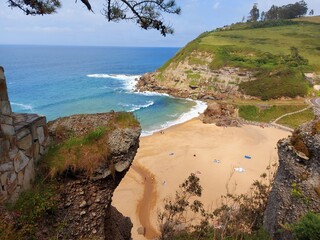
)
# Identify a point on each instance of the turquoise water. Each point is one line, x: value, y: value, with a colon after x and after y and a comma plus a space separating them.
x: 58, y: 81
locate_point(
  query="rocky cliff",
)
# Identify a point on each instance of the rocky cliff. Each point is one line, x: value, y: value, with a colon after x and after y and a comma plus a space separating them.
x: 196, y: 81
x: 296, y: 189
x: 85, y: 198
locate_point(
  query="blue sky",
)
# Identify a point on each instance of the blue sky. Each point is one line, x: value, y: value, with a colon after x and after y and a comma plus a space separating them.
x: 74, y: 25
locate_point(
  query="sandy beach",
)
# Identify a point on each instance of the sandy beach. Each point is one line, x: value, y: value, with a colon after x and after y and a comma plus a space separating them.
x: 215, y: 154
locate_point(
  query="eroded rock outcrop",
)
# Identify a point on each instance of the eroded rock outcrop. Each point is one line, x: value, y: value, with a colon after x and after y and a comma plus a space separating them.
x: 85, y: 200
x: 196, y: 81
x: 221, y: 114
x: 296, y: 189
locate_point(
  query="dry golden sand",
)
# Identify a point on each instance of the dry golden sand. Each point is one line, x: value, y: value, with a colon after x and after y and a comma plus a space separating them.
x: 164, y: 160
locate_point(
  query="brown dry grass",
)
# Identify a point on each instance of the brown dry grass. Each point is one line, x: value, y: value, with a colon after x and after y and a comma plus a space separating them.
x: 316, y: 128
x: 76, y: 154
x: 85, y: 153
x: 298, y: 144
x: 314, y: 19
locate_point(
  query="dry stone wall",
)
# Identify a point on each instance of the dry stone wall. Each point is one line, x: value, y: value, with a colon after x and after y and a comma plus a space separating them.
x: 23, y: 140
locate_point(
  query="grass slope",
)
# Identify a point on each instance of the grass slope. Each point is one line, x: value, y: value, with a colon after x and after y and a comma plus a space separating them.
x: 266, y: 48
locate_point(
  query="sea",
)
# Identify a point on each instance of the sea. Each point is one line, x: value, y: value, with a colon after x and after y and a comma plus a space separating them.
x: 58, y: 81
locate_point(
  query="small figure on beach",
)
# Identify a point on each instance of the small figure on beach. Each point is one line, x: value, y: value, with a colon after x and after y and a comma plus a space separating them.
x: 216, y: 161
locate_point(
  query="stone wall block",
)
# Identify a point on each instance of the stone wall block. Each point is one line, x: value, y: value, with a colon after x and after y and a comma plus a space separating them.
x: 25, y: 143
x: 29, y: 175
x: 43, y: 150
x: 4, y: 149
x: 20, y: 178
x: 36, y: 151
x: 5, y: 108
x: 13, y: 152
x: 39, y: 122
x: 22, y: 133
x: 40, y: 134
x: 12, y: 176
x: 8, y: 129
x: 29, y: 152
x: 12, y: 186
x: 6, y: 119
x: 6, y: 167
x: 3, y: 178
x: 20, y: 161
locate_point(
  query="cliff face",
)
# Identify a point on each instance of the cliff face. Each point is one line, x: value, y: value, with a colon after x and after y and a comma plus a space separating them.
x: 85, y: 201
x: 296, y: 189
x: 197, y: 81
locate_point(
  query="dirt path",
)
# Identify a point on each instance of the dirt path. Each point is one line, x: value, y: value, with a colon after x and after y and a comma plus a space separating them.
x: 148, y: 202
x: 291, y: 113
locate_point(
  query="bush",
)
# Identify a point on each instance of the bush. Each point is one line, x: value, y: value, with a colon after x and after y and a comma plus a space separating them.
x: 272, y: 85
x: 238, y: 217
x: 297, y: 142
x: 308, y: 227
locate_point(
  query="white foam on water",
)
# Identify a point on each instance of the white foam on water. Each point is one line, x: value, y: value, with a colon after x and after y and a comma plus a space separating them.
x: 23, y: 106
x: 148, y: 93
x: 194, y: 112
x: 129, y: 81
x: 134, y: 107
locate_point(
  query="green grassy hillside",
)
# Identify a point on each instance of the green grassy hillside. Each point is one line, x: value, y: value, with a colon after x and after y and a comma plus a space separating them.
x: 277, y: 52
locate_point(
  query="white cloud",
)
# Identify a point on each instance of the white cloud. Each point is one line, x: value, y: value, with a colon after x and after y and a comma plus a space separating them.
x: 216, y: 5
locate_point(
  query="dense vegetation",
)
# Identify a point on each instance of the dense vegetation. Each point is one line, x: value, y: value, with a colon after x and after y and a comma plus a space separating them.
x: 288, y: 11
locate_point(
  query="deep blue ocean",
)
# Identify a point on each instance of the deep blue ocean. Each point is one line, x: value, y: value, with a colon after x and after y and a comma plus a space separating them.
x: 58, y: 81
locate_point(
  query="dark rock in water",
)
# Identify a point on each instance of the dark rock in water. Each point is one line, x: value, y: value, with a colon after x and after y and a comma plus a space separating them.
x: 296, y: 189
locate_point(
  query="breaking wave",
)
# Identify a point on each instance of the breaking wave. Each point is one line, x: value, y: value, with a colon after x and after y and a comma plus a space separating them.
x: 129, y: 81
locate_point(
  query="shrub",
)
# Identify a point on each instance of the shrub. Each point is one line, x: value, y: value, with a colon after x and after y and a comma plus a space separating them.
x: 33, y: 207
x: 298, y: 143
x: 308, y: 227
x: 238, y: 217
x: 316, y: 127
x: 125, y: 120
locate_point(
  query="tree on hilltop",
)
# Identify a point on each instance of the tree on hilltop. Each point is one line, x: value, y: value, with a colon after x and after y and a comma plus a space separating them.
x: 311, y: 12
x: 288, y: 11
x: 145, y: 13
x: 254, y: 13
